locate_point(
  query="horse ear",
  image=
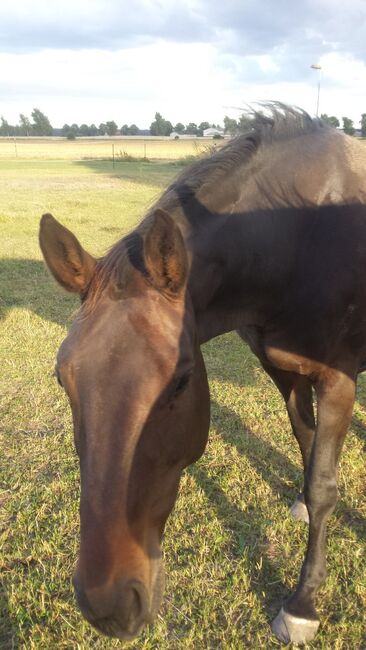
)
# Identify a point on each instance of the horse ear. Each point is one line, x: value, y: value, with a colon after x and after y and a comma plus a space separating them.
x: 165, y: 254
x: 68, y: 262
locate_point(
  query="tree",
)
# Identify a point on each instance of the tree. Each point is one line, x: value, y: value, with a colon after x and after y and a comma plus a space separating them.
x: 179, y: 128
x: 160, y: 126
x: 25, y: 125
x: 348, y: 126
x: 102, y: 129
x: 70, y: 132
x: 111, y: 128
x: 84, y: 130
x: 93, y: 129
x: 330, y: 119
x: 133, y: 129
x: 41, y: 124
x: 124, y: 130
x: 202, y: 127
x: 363, y: 125
x: 245, y: 123
x: 230, y: 125
x: 192, y: 129
x: 5, y: 127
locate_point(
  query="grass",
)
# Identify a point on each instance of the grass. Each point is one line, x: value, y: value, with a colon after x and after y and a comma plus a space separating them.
x: 80, y: 149
x: 232, y: 550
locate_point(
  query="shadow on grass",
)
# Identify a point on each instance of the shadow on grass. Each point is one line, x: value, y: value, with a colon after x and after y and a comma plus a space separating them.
x: 246, y: 530
x: 25, y: 283
x: 276, y: 470
x: 156, y: 173
x: 8, y: 630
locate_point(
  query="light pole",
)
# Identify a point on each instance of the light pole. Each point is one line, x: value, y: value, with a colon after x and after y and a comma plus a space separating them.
x: 316, y: 66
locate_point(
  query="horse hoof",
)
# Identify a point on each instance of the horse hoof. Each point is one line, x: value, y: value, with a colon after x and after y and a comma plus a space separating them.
x: 299, y: 510
x: 291, y: 629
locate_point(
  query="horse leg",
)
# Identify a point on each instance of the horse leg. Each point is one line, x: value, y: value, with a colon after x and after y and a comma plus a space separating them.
x: 298, y: 621
x: 296, y: 390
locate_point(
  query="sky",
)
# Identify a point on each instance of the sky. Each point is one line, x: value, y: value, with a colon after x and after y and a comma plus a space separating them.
x: 90, y: 61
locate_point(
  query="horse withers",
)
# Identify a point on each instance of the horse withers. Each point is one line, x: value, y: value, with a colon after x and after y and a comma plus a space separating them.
x: 268, y: 237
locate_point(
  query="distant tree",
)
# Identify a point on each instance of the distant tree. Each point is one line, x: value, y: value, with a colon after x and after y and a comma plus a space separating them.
x: 160, y: 126
x: 25, y: 125
x: 192, y: 129
x: 245, y: 123
x: 93, y: 129
x: 330, y: 119
x: 363, y: 125
x: 84, y: 130
x: 168, y: 127
x: 348, y: 126
x: 111, y: 127
x: 102, y: 129
x: 70, y: 132
x: 230, y: 125
x: 179, y: 128
x: 202, y: 127
x: 5, y: 128
x: 41, y: 124
x: 133, y: 129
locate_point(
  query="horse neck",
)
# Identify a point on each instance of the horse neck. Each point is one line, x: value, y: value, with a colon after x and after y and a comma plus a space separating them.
x: 235, y: 277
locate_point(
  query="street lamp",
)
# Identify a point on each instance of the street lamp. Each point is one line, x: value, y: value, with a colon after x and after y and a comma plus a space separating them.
x: 316, y: 66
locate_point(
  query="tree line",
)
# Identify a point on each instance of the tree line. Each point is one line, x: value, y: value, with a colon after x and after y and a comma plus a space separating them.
x: 348, y: 125
x: 39, y: 125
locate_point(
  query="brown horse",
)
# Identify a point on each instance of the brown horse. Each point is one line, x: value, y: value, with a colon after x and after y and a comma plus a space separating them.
x: 268, y: 237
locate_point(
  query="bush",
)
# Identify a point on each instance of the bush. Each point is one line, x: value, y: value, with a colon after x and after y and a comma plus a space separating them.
x: 71, y: 136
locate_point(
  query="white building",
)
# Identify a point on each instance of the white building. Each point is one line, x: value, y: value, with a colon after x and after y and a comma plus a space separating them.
x: 211, y: 132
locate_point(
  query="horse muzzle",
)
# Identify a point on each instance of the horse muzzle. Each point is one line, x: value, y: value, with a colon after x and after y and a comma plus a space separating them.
x: 121, y: 609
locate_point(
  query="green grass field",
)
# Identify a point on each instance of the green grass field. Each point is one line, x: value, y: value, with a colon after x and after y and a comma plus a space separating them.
x: 85, y: 149
x: 232, y: 550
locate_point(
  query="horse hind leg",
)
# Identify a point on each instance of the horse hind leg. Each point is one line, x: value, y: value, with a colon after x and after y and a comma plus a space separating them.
x: 298, y: 620
x: 297, y: 393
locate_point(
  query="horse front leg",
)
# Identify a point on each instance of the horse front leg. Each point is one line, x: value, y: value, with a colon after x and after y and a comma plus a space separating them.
x: 298, y: 620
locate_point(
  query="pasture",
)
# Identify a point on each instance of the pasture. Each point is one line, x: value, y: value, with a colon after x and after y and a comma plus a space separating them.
x: 232, y: 550
x: 85, y: 149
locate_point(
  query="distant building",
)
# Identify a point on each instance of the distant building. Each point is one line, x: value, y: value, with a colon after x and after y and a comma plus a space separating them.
x: 211, y: 132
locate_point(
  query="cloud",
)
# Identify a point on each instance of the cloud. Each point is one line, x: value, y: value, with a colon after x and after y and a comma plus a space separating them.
x: 253, y: 27
x: 171, y: 54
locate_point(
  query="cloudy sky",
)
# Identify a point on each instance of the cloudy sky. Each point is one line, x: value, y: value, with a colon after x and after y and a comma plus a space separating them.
x: 192, y: 60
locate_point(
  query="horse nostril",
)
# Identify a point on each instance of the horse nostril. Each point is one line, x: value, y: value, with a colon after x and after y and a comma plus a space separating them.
x: 136, y: 610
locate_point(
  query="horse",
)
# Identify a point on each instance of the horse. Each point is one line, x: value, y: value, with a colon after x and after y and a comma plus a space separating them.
x: 265, y: 236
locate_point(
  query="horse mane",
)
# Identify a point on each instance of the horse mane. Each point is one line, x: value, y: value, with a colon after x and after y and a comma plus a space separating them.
x: 273, y: 122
